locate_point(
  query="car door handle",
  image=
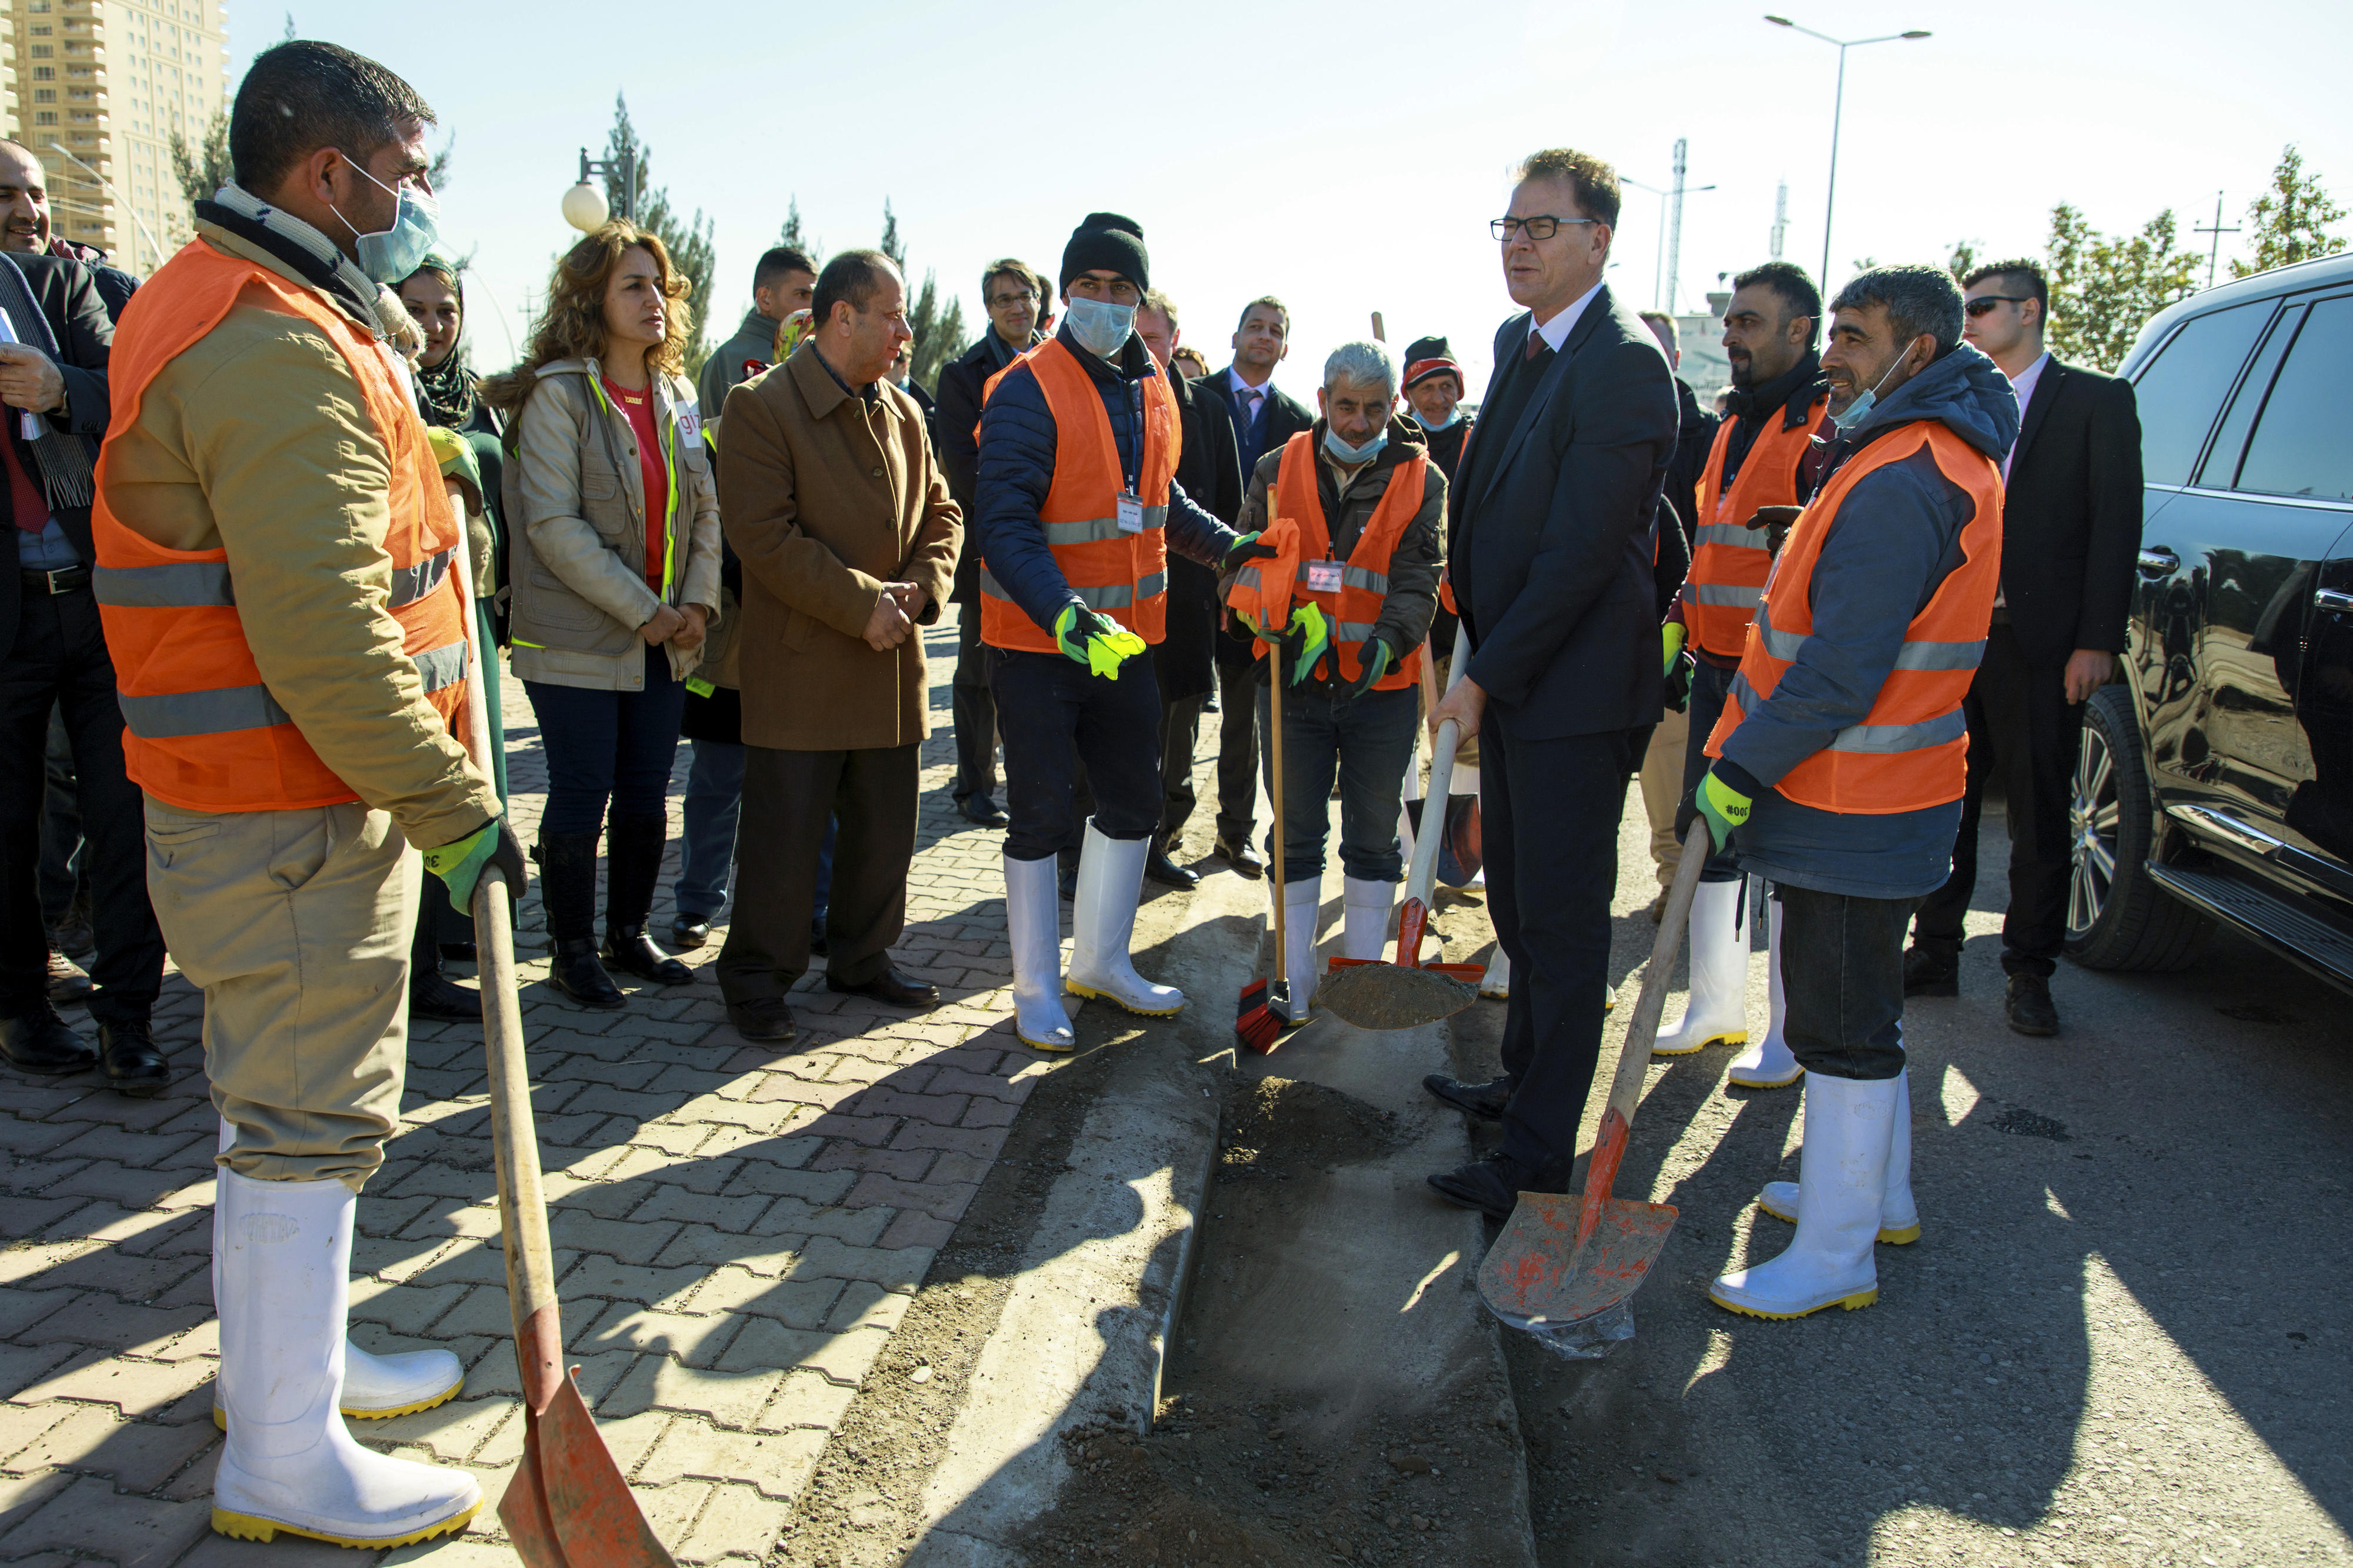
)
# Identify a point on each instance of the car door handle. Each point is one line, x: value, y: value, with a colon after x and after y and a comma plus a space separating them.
x: 2333, y: 599
x: 2159, y: 560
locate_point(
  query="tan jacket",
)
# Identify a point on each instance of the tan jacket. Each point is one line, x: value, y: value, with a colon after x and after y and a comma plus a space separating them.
x: 827, y: 496
x: 575, y: 501
x: 255, y: 440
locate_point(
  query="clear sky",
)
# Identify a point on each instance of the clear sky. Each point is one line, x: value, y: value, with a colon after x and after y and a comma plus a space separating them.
x: 1346, y: 157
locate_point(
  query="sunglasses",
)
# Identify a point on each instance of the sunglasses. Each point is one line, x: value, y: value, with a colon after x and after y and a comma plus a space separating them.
x: 1986, y: 302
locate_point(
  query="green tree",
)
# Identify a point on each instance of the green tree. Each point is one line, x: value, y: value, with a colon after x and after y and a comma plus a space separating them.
x: 938, y: 329
x: 689, y: 242
x: 1962, y: 259
x: 2103, y: 288
x: 205, y: 168
x: 2289, y: 222
x: 798, y: 237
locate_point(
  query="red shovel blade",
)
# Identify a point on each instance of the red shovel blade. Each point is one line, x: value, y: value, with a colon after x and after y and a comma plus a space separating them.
x: 1537, y: 1274
x: 568, y: 1505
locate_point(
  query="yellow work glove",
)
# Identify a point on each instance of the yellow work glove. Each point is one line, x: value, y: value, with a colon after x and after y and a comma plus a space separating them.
x: 1096, y: 641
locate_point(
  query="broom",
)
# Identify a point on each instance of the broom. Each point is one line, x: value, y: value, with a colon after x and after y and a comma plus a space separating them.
x: 1266, y: 1008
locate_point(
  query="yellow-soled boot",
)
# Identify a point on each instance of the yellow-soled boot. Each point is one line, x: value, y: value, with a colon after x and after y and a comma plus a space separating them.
x: 1102, y: 922
x: 1841, y: 1181
x: 1899, y: 1217
x: 1718, y: 1011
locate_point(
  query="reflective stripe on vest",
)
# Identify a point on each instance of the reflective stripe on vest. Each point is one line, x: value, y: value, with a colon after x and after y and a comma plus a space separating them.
x: 667, y: 422
x: 1356, y: 608
x: 203, y: 731
x: 1124, y: 576
x: 1909, y: 752
x: 1730, y: 561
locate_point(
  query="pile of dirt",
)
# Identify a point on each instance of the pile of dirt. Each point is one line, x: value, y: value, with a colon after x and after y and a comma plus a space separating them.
x: 1277, y: 1128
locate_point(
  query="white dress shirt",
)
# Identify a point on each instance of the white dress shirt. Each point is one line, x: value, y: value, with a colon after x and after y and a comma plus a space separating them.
x: 2024, y: 387
x: 1555, y: 332
x: 1252, y: 397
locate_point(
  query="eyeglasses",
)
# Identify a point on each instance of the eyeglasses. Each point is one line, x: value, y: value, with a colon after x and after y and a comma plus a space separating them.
x: 1984, y: 303
x: 1542, y: 226
x: 1003, y: 301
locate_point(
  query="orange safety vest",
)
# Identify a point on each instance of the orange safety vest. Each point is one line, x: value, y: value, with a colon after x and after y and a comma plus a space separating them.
x: 1355, y: 604
x: 1909, y: 753
x: 202, y: 730
x: 1123, y: 575
x: 1730, y: 561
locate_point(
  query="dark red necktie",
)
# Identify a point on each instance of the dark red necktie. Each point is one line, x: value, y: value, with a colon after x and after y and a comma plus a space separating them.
x: 1536, y: 345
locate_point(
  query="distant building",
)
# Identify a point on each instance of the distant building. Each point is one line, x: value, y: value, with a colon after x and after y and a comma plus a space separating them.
x: 1700, y: 339
x: 100, y: 88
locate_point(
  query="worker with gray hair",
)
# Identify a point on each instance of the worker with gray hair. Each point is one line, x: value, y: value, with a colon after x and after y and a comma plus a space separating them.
x: 1370, y: 506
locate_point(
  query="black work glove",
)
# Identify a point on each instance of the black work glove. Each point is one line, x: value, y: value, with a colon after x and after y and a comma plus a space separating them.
x: 1679, y: 683
x: 459, y: 863
x: 1242, y: 551
x: 1376, y: 659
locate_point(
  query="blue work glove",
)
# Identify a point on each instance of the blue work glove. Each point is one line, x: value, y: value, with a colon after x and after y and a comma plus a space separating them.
x: 1721, y: 800
x: 1099, y: 643
x: 1375, y: 655
x: 459, y: 864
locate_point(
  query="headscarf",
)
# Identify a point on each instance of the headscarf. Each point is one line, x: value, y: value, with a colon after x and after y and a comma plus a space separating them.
x: 449, y: 388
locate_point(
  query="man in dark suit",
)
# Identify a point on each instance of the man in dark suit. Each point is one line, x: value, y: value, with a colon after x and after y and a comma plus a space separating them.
x: 1551, y: 541
x: 2071, y: 527
x: 53, y: 655
x: 1185, y: 661
x: 1263, y: 418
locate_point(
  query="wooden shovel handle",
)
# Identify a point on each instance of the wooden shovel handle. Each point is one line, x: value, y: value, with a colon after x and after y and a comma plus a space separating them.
x: 1642, y: 1028
x: 1421, y: 875
x: 1275, y: 770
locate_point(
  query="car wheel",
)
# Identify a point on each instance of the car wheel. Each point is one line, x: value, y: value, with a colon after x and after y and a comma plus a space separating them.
x: 2117, y: 917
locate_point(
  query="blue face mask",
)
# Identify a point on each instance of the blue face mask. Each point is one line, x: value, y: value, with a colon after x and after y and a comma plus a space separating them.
x: 1453, y: 417
x: 1347, y: 454
x: 1101, y: 327
x: 391, y: 257
x: 1854, y: 412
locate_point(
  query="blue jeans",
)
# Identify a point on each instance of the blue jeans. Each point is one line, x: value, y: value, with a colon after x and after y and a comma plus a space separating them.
x: 1368, y: 744
x: 1055, y: 715
x: 603, y: 747
x: 706, y: 852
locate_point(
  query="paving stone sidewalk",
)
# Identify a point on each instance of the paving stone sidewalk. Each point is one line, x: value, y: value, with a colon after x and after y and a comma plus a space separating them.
x: 738, y: 1229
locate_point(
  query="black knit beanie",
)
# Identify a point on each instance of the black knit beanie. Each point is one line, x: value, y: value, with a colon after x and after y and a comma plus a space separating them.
x: 1109, y: 241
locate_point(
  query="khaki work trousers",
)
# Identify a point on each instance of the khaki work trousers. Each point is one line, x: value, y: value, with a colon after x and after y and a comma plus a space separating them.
x: 296, y: 925
x: 1663, y: 790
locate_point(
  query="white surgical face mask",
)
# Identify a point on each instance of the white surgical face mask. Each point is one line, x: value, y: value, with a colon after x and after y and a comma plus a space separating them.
x: 1853, y: 416
x: 1101, y: 327
x: 1347, y: 454
x: 1453, y: 417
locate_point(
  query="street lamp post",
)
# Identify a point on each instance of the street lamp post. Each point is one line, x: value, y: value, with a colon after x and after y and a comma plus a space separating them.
x: 1838, y: 108
x: 584, y: 206
x: 1663, y: 282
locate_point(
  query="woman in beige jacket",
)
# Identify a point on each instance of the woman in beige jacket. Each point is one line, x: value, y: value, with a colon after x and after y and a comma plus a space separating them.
x: 615, y: 538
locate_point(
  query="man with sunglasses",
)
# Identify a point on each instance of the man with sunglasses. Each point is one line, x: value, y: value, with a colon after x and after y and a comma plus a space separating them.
x: 1551, y: 552
x: 2071, y: 527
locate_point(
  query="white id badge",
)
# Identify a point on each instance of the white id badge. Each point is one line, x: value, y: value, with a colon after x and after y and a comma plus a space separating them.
x: 1131, y: 513
x: 1322, y: 576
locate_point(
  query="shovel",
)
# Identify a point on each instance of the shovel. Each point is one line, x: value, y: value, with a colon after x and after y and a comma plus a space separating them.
x: 1565, y: 1258
x: 568, y: 1505
x: 1407, y: 993
x: 1268, y: 1007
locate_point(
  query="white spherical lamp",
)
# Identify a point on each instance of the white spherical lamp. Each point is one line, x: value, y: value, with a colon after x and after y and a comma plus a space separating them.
x: 585, y: 208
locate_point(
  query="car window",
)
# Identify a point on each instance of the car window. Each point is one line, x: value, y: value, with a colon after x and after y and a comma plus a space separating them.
x: 2299, y: 446
x: 2221, y: 467
x: 2183, y: 388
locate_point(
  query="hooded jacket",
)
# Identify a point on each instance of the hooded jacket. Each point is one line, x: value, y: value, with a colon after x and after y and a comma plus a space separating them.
x: 1895, y: 537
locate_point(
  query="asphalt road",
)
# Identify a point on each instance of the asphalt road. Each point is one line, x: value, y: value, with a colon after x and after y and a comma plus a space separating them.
x: 2121, y: 1340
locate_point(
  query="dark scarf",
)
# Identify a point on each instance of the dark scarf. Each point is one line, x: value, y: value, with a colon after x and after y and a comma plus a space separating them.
x: 64, y: 459
x: 448, y: 389
x: 1758, y: 401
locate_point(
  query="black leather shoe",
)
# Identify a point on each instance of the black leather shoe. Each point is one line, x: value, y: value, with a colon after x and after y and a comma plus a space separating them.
x: 1245, y: 861
x: 133, y: 1066
x: 74, y: 936
x: 690, y: 932
x: 893, y: 987
x: 987, y: 813
x: 1483, y: 1100
x: 461, y: 952
x: 2028, y: 1007
x: 576, y: 973
x: 40, y: 1042
x: 630, y: 949
x: 765, y: 1020
x: 1159, y: 869
x: 1492, y: 1186
x: 68, y: 983
x: 432, y: 996
x: 1931, y: 972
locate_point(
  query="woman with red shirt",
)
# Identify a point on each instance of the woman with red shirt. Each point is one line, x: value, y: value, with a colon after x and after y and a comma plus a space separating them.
x: 614, y: 523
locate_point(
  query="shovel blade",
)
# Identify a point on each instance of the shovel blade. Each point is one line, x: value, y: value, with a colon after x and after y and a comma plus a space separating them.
x: 1535, y: 1274
x: 1391, y: 996
x: 568, y: 1505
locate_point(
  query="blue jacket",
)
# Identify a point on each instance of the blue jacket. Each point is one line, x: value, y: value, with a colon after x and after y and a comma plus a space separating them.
x: 1017, y: 469
x: 1894, y: 540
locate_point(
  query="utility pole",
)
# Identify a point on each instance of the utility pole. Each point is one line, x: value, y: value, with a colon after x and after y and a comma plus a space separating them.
x: 1675, y: 228
x: 2214, y: 253
x: 1780, y: 217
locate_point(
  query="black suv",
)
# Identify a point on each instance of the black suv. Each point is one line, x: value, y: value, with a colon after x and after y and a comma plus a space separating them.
x: 2215, y: 782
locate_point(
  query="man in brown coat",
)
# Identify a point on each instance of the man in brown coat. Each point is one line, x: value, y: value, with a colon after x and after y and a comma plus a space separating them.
x: 831, y: 497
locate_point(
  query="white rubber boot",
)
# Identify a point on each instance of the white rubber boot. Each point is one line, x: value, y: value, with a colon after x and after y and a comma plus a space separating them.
x: 1366, y: 933
x: 289, y: 1464
x: 1496, y: 984
x: 1102, y: 922
x: 376, y: 1387
x: 1768, y: 1064
x: 1718, y: 1011
x: 1899, y: 1217
x: 1302, y: 904
x: 1842, y: 1183
x: 1033, y: 927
